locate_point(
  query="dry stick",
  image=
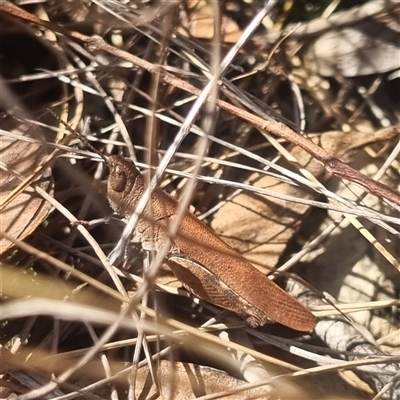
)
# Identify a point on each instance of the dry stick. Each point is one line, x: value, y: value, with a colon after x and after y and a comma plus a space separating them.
x: 332, y: 164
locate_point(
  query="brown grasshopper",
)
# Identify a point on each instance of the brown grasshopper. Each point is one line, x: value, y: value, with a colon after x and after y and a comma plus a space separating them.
x: 205, y: 264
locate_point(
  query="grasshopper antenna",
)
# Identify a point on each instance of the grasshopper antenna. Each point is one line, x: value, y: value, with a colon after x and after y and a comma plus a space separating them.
x: 80, y: 136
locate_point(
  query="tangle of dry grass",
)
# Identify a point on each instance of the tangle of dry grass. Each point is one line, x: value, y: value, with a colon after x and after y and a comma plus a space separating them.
x: 286, y: 145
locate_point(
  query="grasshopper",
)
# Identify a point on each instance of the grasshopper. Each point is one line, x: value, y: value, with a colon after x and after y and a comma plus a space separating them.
x: 207, y: 266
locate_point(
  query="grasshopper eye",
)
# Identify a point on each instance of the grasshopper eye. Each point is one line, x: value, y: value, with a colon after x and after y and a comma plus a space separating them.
x: 118, y: 179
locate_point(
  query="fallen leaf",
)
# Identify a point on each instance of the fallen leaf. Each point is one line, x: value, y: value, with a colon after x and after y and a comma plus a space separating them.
x: 259, y: 227
x: 189, y: 381
x: 27, y: 211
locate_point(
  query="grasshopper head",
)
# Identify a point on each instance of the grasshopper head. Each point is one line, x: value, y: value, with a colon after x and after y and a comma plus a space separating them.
x: 125, y: 185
